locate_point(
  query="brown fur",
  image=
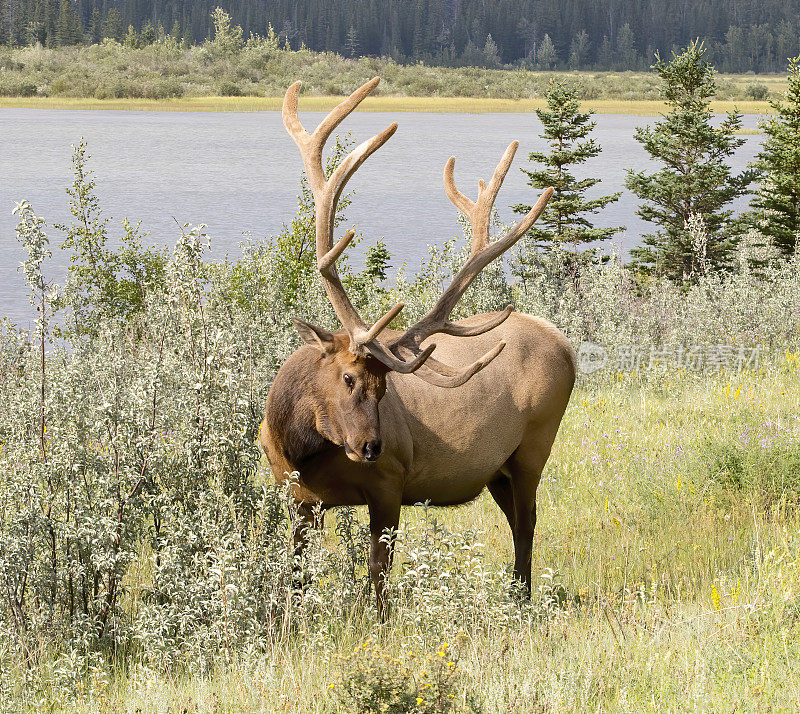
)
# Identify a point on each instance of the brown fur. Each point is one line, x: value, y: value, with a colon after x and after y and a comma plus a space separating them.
x: 438, y: 444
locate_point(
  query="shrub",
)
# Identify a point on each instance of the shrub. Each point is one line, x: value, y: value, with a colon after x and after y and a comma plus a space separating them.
x: 230, y: 89
x: 161, y: 89
x: 13, y: 87
x: 757, y: 91
x: 373, y: 681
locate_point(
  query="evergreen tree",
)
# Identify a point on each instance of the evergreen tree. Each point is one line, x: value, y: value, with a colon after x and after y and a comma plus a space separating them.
x: 351, y: 43
x: 605, y: 55
x: 491, y: 53
x: 376, y: 261
x: 112, y: 27
x: 546, y: 55
x: 131, y: 38
x: 695, y: 179
x: 68, y: 25
x: 96, y: 26
x: 227, y: 36
x: 579, y: 50
x: 779, y: 164
x: 627, y: 56
x: 148, y: 35
x: 566, y: 130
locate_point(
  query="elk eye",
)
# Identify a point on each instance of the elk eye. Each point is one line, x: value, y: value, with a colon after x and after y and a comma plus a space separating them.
x: 348, y: 380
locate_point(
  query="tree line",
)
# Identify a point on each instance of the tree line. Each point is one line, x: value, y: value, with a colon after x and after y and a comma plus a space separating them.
x: 740, y: 35
x: 688, y: 199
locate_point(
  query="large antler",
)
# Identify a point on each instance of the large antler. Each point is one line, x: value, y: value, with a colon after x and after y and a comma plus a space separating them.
x: 406, y: 354
x: 482, y: 253
x: 326, y: 193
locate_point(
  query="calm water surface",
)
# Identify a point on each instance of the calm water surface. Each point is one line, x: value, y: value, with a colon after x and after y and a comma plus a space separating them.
x: 239, y: 174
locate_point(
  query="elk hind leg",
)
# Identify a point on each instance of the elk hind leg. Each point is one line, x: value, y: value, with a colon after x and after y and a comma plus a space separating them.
x: 503, y: 495
x: 525, y: 467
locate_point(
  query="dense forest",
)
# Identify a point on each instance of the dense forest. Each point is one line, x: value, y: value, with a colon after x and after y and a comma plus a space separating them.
x: 742, y: 35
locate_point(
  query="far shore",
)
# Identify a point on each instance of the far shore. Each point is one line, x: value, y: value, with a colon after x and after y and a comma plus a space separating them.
x: 439, y: 105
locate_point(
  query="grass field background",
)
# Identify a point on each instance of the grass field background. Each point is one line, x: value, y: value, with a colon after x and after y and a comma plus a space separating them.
x: 439, y: 105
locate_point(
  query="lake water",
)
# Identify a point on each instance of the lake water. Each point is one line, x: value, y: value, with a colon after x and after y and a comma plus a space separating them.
x: 239, y: 174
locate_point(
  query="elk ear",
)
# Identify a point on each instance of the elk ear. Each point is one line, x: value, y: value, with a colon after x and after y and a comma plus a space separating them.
x: 313, y: 335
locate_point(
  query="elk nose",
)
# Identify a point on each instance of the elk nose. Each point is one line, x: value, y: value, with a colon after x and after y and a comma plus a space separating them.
x: 372, y: 450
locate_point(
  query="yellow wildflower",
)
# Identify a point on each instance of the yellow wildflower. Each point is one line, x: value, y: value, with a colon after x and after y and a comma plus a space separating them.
x: 715, y: 597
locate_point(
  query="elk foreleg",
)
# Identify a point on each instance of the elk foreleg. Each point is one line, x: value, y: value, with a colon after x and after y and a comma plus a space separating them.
x: 305, y: 518
x: 384, y: 518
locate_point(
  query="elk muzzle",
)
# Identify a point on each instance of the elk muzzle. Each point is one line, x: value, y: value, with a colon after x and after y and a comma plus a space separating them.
x: 372, y: 450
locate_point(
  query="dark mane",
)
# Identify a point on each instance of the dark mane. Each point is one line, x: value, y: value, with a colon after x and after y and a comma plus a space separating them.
x: 291, y: 414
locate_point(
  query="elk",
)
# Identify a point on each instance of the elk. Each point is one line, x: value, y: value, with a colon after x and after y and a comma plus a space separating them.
x: 366, y: 415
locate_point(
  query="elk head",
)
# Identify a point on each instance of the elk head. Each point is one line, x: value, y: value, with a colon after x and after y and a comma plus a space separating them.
x: 352, y: 365
x: 345, y: 389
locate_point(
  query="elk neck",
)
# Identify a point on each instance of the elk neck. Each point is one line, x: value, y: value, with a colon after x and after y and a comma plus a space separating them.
x: 297, y: 413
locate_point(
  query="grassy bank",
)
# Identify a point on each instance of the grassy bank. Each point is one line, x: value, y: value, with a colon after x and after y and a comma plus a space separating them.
x: 667, y: 512
x: 441, y: 105
x: 208, y: 77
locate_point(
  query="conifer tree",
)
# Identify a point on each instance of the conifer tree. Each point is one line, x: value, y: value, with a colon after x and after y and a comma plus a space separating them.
x: 68, y: 25
x: 779, y: 164
x: 566, y: 130
x: 546, y: 55
x: 112, y: 27
x: 491, y: 52
x: 695, y: 179
x: 351, y: 44
x: 579, y: 50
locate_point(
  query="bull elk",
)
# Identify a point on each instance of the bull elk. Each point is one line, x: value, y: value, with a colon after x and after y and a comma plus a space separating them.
x: 367, y: 416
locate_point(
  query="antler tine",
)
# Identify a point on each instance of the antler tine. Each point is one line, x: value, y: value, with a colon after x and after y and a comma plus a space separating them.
x: 291, y: 120
x: 341, y: 110
x: 460, y: 201
x: 481, y: 254
x: 326, y: 197
x: 479, y: 212
x: 488, y: 194
x: 442, y: 375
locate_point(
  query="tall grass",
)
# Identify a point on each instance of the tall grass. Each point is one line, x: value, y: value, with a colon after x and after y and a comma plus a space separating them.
x: 662, y: 586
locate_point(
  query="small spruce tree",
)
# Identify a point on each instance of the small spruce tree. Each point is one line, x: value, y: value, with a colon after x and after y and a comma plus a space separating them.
x: 376, y: 261
x: 491, y: 52
x: 695, y: 178
x: 566, y: 130
x: 778, y: 197
x: 351, y: 43
x: 546, y: 55
x: 579, y: 50
x: 228, y: 37
x: 112, y: 26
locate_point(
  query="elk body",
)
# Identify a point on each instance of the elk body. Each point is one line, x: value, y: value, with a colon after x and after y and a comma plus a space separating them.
x: 367, y: 416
